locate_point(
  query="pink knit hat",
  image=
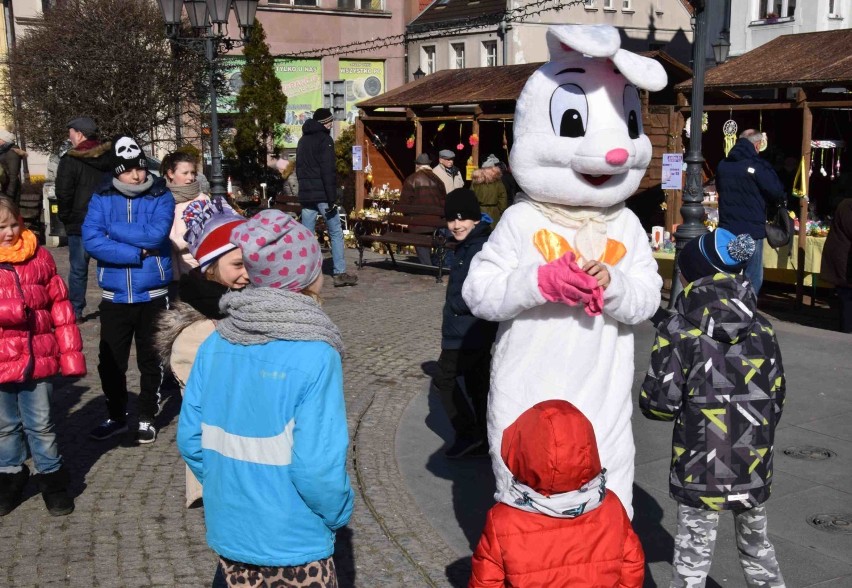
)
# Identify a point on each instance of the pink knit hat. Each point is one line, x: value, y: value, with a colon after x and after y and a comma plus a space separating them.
x: 278, y: 252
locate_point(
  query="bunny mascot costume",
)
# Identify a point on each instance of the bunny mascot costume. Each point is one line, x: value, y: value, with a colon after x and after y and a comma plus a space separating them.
x: 579, y: 153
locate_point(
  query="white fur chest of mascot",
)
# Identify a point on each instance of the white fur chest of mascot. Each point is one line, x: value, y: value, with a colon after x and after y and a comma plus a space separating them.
x: 579, y: 153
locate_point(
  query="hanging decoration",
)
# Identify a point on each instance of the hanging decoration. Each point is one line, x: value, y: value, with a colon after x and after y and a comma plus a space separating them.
x: 729, y: 130
x: 688, y: 125
x: 800, y: 183
x: 505, y: 141
x: 473, y: 140
x: 836, y: 146
x: 764, y: 142
x: 368, y: 169
x: 460, y: 146
x: 410, y: 142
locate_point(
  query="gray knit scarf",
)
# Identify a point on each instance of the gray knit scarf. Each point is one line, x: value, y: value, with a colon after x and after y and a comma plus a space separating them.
x: 259, y: 315
x: 132, y: 190
x: 185, y: 192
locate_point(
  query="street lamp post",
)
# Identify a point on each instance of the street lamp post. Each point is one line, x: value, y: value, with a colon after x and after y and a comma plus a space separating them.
x: 209, y: 19
x: 692, y: 210
x: 419, y: 74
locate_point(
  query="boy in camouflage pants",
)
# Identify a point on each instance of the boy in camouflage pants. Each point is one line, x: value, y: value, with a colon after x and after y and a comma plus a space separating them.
x: 716, y: 371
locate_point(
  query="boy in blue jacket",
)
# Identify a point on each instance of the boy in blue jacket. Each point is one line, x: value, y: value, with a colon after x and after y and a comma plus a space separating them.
x: 127, y: 231
x: 465, y: 339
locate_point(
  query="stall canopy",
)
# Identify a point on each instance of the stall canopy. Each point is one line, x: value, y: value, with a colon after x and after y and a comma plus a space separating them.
x: 805, y: 60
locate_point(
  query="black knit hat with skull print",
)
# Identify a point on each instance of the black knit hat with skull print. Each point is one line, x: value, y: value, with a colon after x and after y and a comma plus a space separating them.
x: 127, y: 155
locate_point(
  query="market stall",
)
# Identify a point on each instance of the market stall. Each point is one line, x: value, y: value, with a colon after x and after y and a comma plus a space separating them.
x: 471, y: 112
x: 800, y: 97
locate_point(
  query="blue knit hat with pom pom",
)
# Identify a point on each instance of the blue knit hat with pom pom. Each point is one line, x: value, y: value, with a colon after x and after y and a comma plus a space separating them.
x: 711, y: 253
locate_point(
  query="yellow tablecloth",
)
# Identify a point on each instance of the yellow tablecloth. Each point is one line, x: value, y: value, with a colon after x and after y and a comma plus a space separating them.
x: 779, y: 264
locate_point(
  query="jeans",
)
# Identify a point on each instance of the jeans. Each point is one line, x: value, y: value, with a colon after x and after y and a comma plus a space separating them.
x: 844, y: 293
x: 78, y: 275
x: 754, y: 268
x: 25, y: 413
x: 335, y: 232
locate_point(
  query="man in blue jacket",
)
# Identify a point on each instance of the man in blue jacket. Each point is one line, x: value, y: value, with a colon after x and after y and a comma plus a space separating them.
x: 746, y: 184
x: 127, y: 231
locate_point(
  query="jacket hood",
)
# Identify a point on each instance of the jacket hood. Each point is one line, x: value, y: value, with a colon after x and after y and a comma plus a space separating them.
x: 722, y: 306
x: 98, y: 156
x: 170, y: 325
x: 742, y: 150
x: 551, y: 448
x: 311, y: 127
x: 202, y: 294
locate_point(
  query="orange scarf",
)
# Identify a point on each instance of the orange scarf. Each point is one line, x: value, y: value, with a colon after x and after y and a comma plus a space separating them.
x: 23, y: 249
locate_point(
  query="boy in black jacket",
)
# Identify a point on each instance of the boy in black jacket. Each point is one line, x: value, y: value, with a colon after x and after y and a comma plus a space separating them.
x: 465, y: 340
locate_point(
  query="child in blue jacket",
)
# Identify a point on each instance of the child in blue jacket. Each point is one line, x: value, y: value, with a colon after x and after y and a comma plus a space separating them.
x: 127, y: 231
x: 263, y: 421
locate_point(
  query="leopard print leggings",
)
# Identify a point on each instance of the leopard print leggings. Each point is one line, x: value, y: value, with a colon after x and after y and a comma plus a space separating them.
x: 316, y: 574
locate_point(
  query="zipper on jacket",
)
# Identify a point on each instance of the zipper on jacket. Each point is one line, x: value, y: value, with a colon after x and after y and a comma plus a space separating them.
x: 30, y: 367
x: 129, y: 281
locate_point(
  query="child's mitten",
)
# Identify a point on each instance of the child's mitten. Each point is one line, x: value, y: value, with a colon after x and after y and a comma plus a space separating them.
x: 563, y: 281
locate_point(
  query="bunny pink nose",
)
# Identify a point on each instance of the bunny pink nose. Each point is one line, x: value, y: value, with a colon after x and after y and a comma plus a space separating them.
x: 617, y: 156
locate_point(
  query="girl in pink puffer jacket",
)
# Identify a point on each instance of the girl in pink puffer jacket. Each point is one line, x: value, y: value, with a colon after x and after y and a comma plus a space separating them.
x: 38, y: 339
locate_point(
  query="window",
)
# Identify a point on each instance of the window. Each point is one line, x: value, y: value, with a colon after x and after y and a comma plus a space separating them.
x: 489, y: 53
x: 589, y: 3
x: 456, y: 55
x: 359, y: 4
x: 834, y: 7
x: 626, y: 5
x: 295, y: 2
x: 778, y: 8
x: 427, y: 59
x: 609, y: 4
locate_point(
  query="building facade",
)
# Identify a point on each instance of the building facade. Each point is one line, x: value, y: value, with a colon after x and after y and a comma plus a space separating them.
x: 756, y: 22
x: 457, y: 34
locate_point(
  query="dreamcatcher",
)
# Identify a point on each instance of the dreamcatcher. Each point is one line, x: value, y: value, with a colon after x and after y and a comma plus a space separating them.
x: 729, y: 130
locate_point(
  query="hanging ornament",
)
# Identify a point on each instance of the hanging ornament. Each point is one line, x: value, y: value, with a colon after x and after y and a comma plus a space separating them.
x: 729, y: 129
x: 811, y: 166
x: 410, y: 142
x: 473, y: 140
x: 764, y: 142
x: 368, y: 169
x: 831, y: 166
x: 460, y: 146
x: 822, y: 163
x: 441, y: 127
x: 837, y: 163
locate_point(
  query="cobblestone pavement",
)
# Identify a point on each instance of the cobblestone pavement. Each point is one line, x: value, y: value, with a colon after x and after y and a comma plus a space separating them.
x: 130, y: 527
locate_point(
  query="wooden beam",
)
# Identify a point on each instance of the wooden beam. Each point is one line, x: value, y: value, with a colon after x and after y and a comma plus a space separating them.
x: 418, y: 137
x: 360, y: 189
x: 462, y: 117
x: 723, y: 107
x: 384, y: 118
x: 807, y: 129
x: 496, y: 117
x: 829, y: 104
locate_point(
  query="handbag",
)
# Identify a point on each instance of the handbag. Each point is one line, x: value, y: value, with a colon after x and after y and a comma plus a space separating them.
x: 779, y: 227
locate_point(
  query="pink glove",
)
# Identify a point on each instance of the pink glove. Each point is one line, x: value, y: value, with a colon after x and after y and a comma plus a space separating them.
x: 563, y: 281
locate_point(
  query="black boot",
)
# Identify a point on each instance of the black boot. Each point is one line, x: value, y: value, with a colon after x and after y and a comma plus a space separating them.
x: 54, y: 490
x: 12, y: 488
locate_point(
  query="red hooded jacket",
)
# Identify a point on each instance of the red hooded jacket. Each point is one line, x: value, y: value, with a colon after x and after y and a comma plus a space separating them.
x: 38, y: 334
x: 551, y: 448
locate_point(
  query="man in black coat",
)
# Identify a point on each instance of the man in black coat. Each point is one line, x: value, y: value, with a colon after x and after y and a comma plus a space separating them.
x: 80, y: 171
x: 317, y: 176
x: 746, y: 184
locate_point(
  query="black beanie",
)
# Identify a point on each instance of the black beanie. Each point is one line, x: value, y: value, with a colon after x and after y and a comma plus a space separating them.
x: 711, y: 253
x: 461, y: 204
x: 323, y: 116
x: 127, y: 155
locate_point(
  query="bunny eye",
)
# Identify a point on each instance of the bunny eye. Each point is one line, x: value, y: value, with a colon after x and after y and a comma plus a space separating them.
x: 632, y: 111
x: 569, y: 111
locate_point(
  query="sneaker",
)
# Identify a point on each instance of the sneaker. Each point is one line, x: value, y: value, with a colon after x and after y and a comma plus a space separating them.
x: 107, y: 429
x: 464, y: 446
x: 345, y: 280
x: 147, y: 433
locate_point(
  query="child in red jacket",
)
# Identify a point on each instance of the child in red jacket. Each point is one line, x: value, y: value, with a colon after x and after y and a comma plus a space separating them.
x: 564, y: 527
x: 38, y: 339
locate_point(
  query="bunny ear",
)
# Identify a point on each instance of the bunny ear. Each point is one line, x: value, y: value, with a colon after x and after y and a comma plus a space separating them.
x: 591, y: 40
x: 643, y: 72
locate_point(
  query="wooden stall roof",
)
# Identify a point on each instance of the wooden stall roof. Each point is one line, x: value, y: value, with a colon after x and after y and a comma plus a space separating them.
x: 803, y: 60
x: 482, y: 85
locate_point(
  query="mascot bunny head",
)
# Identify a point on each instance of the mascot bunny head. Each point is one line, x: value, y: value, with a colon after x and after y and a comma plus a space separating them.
x: 578, y: 120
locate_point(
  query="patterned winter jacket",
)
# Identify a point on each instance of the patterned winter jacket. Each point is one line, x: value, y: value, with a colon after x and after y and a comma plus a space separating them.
x: 716, y: 371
